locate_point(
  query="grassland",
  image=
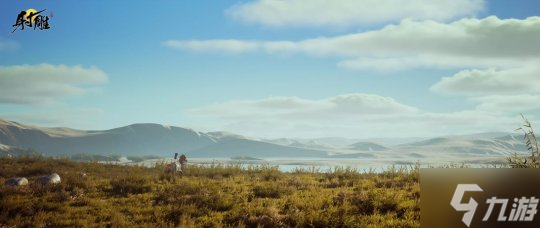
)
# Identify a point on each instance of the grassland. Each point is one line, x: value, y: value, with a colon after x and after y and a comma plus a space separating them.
x: 209, y: 196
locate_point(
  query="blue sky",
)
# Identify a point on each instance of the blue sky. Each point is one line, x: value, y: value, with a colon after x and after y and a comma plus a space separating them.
x: 268, y: 68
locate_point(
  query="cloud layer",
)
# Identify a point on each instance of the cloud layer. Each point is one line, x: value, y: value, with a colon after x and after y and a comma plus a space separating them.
x: 8, y: 45
x: 491, y: 82
x: 495, y: 63
x: 488, y: 42
x: 508, y: 103
x: 343, y: 105
x: 356, y: 115
x: 36, y: 84
x: 280, y: 13
x: 492, y: 56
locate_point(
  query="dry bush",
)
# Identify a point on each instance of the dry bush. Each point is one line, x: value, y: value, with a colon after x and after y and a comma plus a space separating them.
x: 130, y: 185
x: 531, y: 142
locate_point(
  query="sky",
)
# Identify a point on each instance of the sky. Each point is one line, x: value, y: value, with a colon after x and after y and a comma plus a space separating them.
x: 275, y: 68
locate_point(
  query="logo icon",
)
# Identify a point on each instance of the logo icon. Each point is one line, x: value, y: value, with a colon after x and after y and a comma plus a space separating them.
x: 31, y: 18
x: 479, y: 197
x: 524, y: 212
x: 469, y: 207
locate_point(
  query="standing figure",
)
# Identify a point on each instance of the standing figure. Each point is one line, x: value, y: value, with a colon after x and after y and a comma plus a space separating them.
x: 173, y: 167
x: 183, y: 161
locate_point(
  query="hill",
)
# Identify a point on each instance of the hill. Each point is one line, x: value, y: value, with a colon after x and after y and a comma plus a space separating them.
x: 142, y: 139
x: 160, y: 140
x: 367, y: 146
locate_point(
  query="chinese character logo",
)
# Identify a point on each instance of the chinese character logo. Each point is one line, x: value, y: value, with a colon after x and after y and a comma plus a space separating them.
x: 31, y: 19
x: 523, y: 209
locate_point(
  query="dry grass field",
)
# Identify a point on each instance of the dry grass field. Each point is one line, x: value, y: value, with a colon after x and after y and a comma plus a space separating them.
x: 206, y: 196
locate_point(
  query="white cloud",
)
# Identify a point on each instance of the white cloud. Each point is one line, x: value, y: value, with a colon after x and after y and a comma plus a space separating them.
x: 505, y: 91
x: 228, y: 46
x: 491, y: 82
x: 502, y: 57
x: 35, y: 84
x: 294, y: 107
x: 232, y: 46
x: 341, y: 13
x: 508, y: 103
x: 350, y: 115
x: 488, y: 42
x: 392, y: 64
x: 8, y: 45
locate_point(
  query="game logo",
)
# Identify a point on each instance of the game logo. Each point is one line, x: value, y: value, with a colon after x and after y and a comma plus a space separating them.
x: 488, y: 197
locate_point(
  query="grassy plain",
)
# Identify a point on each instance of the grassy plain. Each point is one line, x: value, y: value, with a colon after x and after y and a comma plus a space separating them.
x: 206, y: 196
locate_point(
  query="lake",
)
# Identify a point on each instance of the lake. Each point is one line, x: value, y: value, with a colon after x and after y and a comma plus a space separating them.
x: 327, y: 164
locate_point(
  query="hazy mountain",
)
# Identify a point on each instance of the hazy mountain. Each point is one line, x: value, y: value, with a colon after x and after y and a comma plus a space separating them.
x: 301, y: 143
x: 344, y: 142
x: 367, y: 146
x: 389, y: 142
x: 218, y: 135
x: 282, y: 141
x: 245, y: 147
x: 355, y: 155
x: 156, y: 139
x: 500, y: 146
x: 484, y: 135
x: 341, y: 142
x: 488, y: 145
x: 132, y: 139
x: 335, y: 141
x: 141, y: 139
x: 11, y: 151
x: 4, y: 147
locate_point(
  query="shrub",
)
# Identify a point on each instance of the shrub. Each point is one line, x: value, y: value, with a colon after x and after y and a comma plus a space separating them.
x: 270, y: 191
x: 532, y: 161
x: 36, y: 170
x: 364, y: 204
x: 130, y: 185
x: 186, y: 193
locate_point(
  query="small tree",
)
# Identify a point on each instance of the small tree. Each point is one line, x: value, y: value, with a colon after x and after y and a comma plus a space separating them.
x: 531, y: 142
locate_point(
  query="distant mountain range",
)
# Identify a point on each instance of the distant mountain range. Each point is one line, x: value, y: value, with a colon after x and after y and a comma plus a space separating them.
x: 156, y: 139
x: 141, y: 139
